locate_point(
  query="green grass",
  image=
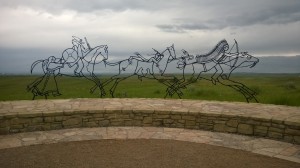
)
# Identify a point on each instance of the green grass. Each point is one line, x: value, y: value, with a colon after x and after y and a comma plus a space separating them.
x: 272, y: 89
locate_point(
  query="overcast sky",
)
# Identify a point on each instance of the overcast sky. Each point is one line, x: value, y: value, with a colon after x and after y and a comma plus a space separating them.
x: 37, y: 29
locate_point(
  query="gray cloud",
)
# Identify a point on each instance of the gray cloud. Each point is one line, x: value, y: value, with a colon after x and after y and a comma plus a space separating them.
x: 189, y: 14
x: 57, y: 6
x: 29, y: 27
x: 239, y: 14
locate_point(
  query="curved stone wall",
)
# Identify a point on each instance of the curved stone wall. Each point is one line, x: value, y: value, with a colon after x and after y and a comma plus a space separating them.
x: 275, y: 122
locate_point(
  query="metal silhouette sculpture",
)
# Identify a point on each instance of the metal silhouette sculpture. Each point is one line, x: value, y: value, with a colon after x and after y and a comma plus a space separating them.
x: 220, y: 63
x: 81, y: 60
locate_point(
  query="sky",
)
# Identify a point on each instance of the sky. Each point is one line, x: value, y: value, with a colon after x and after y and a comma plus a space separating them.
x: 36, y: 29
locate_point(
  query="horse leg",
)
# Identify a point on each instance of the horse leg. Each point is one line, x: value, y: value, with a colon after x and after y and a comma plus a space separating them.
x: 172, y: 88
x: 113, y: 88
x: 218, y: 72
x: 97, y: 82
x: 196, y: 75
x: 57, y: 91
x: 245, y: 91
x: 242, y: 87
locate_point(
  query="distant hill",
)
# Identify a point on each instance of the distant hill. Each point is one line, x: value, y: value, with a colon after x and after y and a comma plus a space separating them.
x: 268, y: 64
x: 275, y: 64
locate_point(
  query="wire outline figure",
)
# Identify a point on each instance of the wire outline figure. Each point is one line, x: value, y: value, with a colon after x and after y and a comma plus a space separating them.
x: 82, y: 59
x: 217, y: 60
x: 53, y: 67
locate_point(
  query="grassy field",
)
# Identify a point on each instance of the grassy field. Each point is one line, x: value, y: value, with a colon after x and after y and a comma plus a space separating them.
x: 281, y: 89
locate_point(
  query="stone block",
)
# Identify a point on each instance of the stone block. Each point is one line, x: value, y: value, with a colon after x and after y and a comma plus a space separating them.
x: 279, y: 130
x: 264, y: 128
x: 219, y: 122
x: 297, y: 139
x: 189, y: 117
x: 168, y: 121
x: 137, y: 122
x: 4, y: 123
x: 230, y: 129
x: 138, y: 117
x: 55, y: 126
x: 97, y: 115
x: 292, y: 132
x: 288, y: 138
x: 128, y: 123
x: 147, y: 120
x: 34, y: 128
x: 58, y: 118
x: 293, y: 127
x: 275, y: 135
x: 177, y: 125
x: 4, y: 131
x: 206, y: 127
x: 268, y: 124
x: 202, y: 120
x: 278, y: 126
x: 16, y: 126
x: 46, y: 127
x: 260, y: 130
x: 117, y: 123
x: 127, y: 111
x: 190, y: 123
x: 91, y: 124
x: 110, y: 116
x: 124, y: 116
x: 251, y: 122
x: 232, y: 123
x: 245, y: 129
x: 181, y: 121
x: 37, y: 120
x: 176, y: 117
x: 48, y: 119
x: 72, y: 121
x: 14, y: 130
x: 158, y: 123
x: 219, y: 127
x: 104, y: 123
x: 162, y: 116
x: 163, y: 112
x: 16, y: 121
x: 276, y: 121
x: 140, y: 111
x: 192, y: 126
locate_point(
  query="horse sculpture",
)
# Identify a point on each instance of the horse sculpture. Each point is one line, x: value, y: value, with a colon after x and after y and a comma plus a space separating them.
x: 53, y: 67
x: 216, y: 62
x: 137, y: 65
x: 80, y: 61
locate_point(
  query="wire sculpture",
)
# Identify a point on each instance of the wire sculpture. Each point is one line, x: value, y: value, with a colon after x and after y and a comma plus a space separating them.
x: 81, y: 60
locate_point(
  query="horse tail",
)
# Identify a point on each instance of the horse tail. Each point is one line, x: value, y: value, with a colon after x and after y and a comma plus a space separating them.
x: 34, y: 64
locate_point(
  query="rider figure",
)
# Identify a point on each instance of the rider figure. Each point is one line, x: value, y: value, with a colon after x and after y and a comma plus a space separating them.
x: 155, y: 59
x: 78, y: 46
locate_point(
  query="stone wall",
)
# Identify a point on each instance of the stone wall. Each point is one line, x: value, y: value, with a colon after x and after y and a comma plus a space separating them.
x: 275, y: 122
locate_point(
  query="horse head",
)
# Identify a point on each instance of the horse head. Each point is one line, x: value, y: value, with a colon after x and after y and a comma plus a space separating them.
x: 172, y: 53
x: 245, y: 60
x: 185, y: 59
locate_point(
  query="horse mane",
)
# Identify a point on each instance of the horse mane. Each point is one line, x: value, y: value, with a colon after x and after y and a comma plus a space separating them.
x: 214, y: 53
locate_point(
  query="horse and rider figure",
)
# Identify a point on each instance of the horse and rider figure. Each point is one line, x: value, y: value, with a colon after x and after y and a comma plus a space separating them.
x: 218, y: 64
x: 81, y: 60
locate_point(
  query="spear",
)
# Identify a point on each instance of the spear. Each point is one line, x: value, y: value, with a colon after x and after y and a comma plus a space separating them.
x: 87, y: 43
